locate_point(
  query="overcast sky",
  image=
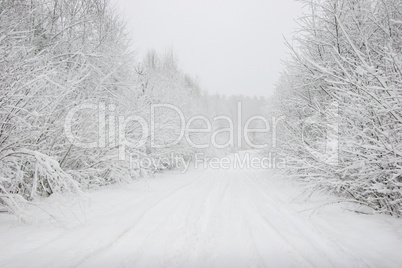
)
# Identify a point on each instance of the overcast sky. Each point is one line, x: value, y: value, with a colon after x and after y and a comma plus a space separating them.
x: 233, y: 46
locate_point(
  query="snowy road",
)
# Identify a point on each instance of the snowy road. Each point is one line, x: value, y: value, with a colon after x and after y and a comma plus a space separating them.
x: 203, y: 218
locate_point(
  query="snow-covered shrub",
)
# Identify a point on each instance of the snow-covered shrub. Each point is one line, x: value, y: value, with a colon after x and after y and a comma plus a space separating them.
x: 342, y: 98
x: 56, y: 55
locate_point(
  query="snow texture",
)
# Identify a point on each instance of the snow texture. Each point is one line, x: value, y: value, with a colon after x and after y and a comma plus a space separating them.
x: 203, y: 218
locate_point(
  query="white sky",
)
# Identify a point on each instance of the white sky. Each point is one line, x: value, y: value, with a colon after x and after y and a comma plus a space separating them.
x: 233, y: 46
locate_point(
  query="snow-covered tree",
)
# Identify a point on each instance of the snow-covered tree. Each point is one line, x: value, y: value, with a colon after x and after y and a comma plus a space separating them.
x: 56, y: 58
x: 341, y: 95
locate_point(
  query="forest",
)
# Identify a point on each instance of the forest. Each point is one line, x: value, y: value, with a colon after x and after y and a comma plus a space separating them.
x: 340, y: 92
x: 58, y: 59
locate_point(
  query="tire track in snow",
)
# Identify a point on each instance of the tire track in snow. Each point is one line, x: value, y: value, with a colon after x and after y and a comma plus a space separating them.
x: 135, y: 223
x: 188, y: 226
x: 322, y: 243
x: 220, y: 218
x: 127, y: 229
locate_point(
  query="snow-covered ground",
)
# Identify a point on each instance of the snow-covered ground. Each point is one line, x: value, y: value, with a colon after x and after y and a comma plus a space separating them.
x: 203, y: 218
